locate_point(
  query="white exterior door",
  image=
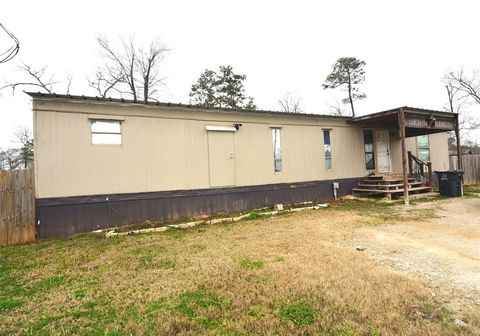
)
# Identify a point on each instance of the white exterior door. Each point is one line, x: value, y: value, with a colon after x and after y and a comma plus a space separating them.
x: 383, y: 151
x: 221, y: 159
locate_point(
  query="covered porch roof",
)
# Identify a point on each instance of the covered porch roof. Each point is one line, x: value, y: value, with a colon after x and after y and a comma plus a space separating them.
x: 417, y: 121
x: 410, y: 122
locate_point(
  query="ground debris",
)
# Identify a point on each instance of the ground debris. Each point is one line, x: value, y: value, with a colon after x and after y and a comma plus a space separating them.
x: 321, y: 206
x: 278, y: 209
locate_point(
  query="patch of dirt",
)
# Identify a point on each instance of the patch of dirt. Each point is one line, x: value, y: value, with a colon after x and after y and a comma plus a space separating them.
x: 444, y: 250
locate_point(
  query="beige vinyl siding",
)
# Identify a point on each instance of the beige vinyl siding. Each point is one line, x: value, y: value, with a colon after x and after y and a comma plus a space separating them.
x: 156, y: 154
x: 167, y: 148
x: 438, y: 143
x: 396, y: 153
x: 439, y: 151
x: 347, y: 153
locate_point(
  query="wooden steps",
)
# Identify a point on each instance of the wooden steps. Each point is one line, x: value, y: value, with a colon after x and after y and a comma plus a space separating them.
x: 393, y: 191
x: 389, y: 186
x: 388, y: 181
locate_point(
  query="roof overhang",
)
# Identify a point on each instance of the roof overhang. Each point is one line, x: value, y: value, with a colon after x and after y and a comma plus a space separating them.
x: 153, y: 104
x: 417, y: 121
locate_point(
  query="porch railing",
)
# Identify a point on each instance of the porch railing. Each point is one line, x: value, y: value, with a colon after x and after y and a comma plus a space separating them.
x: 419, y: 167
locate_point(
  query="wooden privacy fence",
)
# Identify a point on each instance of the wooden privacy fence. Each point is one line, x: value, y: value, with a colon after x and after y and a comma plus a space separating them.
x: 471, y: 167
x: 17, y: 207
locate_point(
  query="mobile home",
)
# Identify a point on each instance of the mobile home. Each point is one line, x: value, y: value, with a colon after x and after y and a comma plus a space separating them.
x: 107, y: 162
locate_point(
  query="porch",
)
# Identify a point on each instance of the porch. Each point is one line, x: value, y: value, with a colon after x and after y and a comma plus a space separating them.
x: 416, y: 175
x: 389, y: 186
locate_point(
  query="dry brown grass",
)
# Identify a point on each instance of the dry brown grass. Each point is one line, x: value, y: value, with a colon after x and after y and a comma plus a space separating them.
x: 276, y: 276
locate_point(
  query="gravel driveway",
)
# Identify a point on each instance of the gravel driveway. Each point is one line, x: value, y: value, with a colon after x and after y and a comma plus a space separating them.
x: 444, y: 251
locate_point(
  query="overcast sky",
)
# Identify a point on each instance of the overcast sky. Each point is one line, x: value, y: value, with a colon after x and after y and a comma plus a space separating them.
x: 280, y: 45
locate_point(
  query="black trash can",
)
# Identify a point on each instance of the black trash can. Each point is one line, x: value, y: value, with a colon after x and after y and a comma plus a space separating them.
x: 450, y: 182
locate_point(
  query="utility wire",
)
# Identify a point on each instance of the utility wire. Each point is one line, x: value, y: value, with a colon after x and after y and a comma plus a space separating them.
x: 13, y: 50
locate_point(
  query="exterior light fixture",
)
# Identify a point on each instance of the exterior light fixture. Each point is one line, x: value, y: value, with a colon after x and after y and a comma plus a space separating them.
x: 431, y: 121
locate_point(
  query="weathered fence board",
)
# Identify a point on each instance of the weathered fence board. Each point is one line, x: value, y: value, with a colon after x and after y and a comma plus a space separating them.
x: 3, y: 207
x: 471, y: 167
x: 17, y: 207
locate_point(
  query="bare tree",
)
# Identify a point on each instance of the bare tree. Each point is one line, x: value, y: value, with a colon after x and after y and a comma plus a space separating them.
x: 131, y: 70
x: 468, y: 85
x: 36, y: 78
x: 290, y: 103
x: 9, y: 158
x: 452, y: 91
x: 337, y: 110
x: 103, y: 82
x: 148, y: 64
x: 69, y: 83
x: 460, y: 102
x: 118, y: 68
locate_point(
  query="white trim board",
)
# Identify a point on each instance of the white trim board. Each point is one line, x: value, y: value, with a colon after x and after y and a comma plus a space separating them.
x: 218, y: 128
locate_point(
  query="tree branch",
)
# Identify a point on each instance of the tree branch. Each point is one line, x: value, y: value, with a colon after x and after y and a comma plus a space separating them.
x: 36, y: 75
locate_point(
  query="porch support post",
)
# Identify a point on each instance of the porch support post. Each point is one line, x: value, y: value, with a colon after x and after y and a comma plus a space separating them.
x: 457, y: 137
x: 401, y: 124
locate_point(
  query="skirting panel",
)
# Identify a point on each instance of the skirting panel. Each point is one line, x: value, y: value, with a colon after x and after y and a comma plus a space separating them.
x: 64, y: 216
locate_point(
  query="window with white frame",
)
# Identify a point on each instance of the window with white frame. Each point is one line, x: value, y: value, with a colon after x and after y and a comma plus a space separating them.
x: 327, y: 149
x: 277, y: 150
x: 106, y: 132
x: 423, y: 148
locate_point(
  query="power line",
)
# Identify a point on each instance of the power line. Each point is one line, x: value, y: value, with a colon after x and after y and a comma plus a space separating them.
x: 13, y: 50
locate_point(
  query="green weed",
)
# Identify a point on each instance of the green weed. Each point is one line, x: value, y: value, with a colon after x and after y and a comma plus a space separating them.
x: 190, y: 303
x: 156, y: 307
x: 199, y: 247
x: 10, y: 304
x: 299, y: 312
x: 344, y: 330
x: 43, y: 322
x: 89, y: 305
x: 166, y: 264
x: 49, y: 283
x: 255, y: 215
x: 79, y: 294
x: 428, y: 199
x: 251, y: 264
x: 257, y: 310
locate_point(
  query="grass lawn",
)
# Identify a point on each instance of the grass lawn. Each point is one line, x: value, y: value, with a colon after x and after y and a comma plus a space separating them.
x: 285, y: 275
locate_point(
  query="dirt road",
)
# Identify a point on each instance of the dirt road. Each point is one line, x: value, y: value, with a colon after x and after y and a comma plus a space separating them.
x: 444, y: 250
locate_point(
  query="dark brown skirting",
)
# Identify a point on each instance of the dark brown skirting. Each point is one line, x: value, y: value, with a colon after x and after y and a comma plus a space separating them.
x: 64, y: 216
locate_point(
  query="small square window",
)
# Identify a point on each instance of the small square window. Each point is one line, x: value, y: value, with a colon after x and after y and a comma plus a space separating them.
x: 106, y: 132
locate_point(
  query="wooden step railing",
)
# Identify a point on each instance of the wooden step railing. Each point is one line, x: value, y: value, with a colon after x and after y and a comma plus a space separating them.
x: 417, y: 166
